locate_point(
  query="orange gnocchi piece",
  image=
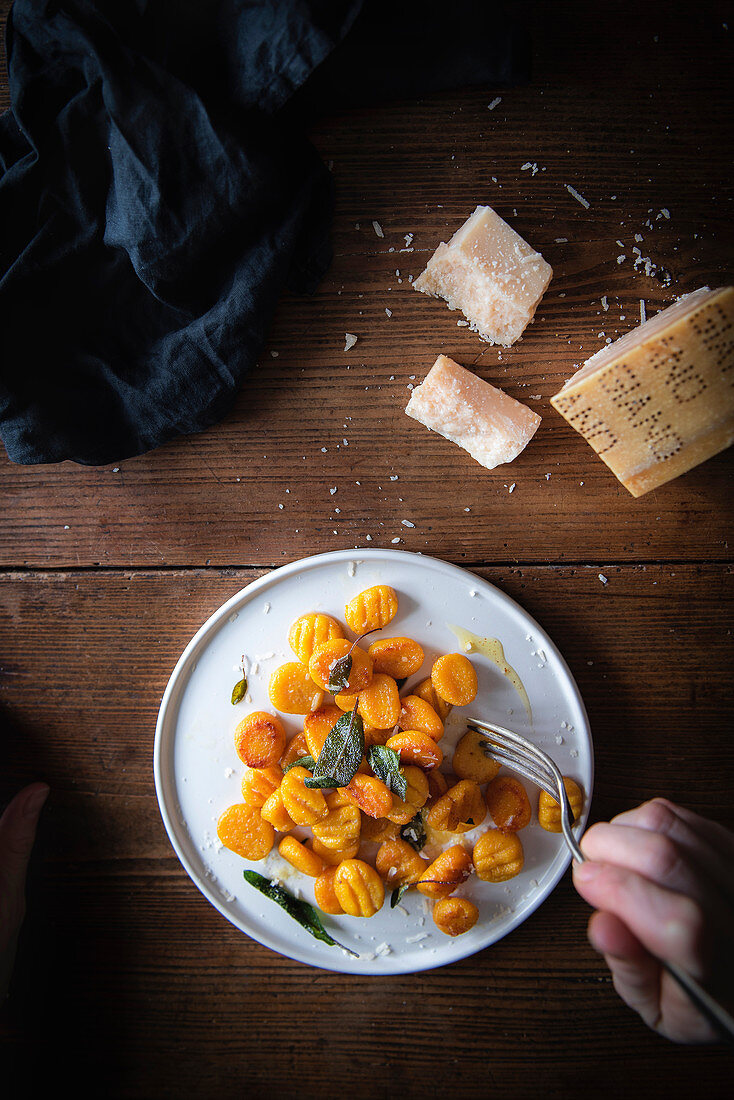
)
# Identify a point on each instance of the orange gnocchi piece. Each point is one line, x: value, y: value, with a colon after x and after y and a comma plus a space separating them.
x: 276, y: 814
x: 427, y: 691
x: 259, y: 783
x: 241, y: 829
x: 417, y: 714
x: 372, y: 609
x: 302, y: 858
x: 332, y: 857
x: 378, y: 829
x: 291, y: 689
x: 399, y: 864
x: 405, y: 809
x: 447, y: 871
x: 341, y: 826
x: 454, y: 679
x: 498, y: 856
x: 549, y: 811
x: 318, y: 725
x: 325, y: 894
x: 437, y: 786
x: 396, y: 657
x: 508, y: 803
x: 460, y: 809
x: 297, y: 747
x: 455, y: 916
x: 305, y: 806
x: 376, y: 737
x: 379, y: 703
x: 260, y: 739
x: 470, y: 760
x: 358, y: 888
x: 372, y: 796
x: 416, y: 747
x: 310, y: 631
x: 325, y: 657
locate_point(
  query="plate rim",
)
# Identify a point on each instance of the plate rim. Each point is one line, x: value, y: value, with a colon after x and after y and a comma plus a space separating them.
x: 213, y: 620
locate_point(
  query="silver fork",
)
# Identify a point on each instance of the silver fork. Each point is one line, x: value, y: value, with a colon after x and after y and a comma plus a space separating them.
x: 525, y: 758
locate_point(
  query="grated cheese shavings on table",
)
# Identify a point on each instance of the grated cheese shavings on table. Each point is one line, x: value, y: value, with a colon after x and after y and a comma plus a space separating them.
x: 643, y: 314
x: 579, y: 198
x: 350, y: 340
x: 495, y: 103
x: 378, y: 229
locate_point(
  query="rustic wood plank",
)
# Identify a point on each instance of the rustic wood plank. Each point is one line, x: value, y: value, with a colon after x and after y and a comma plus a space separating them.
x: 611, y: 111
x: 126, y: 970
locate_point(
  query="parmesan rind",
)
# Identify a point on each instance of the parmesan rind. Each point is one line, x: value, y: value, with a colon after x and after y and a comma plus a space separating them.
x: 491, y: 426
x: 489, y: 273
x: 659, y: 400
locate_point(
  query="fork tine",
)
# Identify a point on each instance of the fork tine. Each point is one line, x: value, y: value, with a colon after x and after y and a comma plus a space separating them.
x: 518, y: 750
x: 525, y: 770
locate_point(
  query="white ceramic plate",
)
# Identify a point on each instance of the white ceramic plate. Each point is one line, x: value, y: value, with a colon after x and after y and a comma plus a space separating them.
x: 198, y: 773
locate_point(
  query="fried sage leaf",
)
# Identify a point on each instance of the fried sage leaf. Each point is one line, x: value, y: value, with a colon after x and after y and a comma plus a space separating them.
x: 340, y: 670
x: 240, y: 689
x: 301, y: 911
x: 341, y: 753
x: 302, y: 762
x: 398, y: 893
x: 339, y: 674
x: 385, y: 763
x: 415, y: 832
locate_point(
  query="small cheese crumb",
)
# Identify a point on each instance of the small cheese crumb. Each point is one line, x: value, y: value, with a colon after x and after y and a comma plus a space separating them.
x: 643, y: 314
x: 511, y: 487
x: 350, y: 339
x: 378, y: 229
x: 407, y: 523
x: 495, y: 103
x: 603, y: 579
x: 266, y: 608
x: 388, y: 311
x: 395, y: 540
x: 332, y: 491
x: 579, y: 198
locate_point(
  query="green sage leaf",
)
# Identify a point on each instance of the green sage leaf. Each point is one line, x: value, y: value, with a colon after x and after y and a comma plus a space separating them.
x: 339, y: 674
x: 302, y: 762
x: 397, y: 894
x: 300, y: 911
x: 385, y: 763
x: 239, y: 691
x: 342, y: 750
x: 415, y: 832
x: 319, y: 782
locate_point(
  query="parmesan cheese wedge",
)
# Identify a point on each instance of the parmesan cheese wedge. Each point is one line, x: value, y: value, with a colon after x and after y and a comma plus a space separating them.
x: 659, y: 400
x: 489, y: 273
x: 491, y: 426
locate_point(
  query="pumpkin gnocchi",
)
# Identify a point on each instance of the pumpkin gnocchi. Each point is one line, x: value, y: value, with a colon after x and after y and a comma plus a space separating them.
x: 363, y: 834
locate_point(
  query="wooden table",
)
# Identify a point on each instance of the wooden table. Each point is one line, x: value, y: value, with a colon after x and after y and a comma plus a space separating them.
x: 128, y: 983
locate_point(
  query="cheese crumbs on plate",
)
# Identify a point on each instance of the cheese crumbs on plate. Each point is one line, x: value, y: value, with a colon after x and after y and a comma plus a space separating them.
x: 491, y: 426
x: 489, y: 273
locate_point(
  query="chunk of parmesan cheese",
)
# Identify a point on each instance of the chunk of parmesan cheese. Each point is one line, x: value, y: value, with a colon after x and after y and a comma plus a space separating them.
x: 491, y: 426
x: 659, y: 400
x: 489, y: 273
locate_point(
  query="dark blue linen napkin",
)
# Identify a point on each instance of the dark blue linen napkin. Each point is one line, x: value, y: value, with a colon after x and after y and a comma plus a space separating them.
x: 157, y: 193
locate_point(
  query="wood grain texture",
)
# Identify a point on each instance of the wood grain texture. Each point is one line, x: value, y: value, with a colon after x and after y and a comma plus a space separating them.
x: 128, y: 983
x: 127, y: 971
x: 626, y: 120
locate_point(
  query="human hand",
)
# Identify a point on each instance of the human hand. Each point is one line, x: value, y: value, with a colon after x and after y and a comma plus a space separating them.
x: 662, y: 881
x: 17, y: 833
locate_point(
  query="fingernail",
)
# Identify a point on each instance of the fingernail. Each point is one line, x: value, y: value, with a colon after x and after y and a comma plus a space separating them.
x: 587, y: 871
x: 34, y: 802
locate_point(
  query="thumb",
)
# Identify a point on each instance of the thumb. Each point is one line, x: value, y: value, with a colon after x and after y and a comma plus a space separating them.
x: 17, y: 833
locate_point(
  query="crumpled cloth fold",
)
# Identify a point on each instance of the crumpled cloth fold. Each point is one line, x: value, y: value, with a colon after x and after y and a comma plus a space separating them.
x: 157, y: 193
